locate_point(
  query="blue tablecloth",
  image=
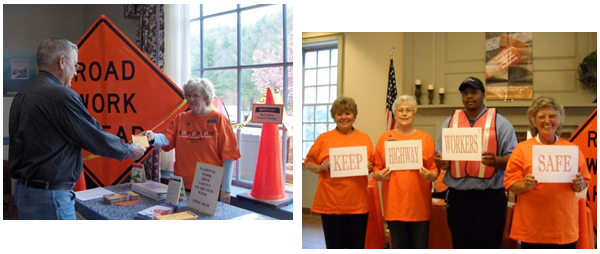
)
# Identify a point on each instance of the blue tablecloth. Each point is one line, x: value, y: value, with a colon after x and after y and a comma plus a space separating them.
x: 98, y: 209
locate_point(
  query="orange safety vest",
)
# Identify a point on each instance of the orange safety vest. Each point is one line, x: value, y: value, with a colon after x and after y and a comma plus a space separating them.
x: 487, y: 123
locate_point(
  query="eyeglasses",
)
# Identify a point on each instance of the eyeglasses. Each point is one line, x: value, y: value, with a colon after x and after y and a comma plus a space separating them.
x: 401, y: 111
x: 76, y: 64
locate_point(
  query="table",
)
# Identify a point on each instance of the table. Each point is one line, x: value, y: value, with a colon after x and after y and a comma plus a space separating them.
x: 98, y: 209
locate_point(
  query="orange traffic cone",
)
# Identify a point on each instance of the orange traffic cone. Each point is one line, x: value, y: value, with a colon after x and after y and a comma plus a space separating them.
x: 584, y: 237
x: 80, y: 184
x: 375, y: 234
x: 590, y: 228
x: 268, y: 179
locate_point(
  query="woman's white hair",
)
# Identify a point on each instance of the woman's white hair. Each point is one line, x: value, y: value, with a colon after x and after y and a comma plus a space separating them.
x: 207, y: 89
x: 405, y: 99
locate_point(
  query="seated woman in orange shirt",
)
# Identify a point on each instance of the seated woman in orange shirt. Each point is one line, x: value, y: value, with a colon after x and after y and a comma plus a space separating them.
x: 406, y: 193
x: 545, y: 213
x: 342, y: 202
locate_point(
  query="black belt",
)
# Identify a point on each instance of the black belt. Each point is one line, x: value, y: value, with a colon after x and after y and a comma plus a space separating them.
x: 43, y: 185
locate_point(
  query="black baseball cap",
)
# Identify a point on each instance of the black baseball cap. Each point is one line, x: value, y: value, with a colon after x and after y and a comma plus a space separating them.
x: 472, y: 82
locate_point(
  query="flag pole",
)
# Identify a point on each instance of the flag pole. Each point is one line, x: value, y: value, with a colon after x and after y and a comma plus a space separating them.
x: 392, y: 53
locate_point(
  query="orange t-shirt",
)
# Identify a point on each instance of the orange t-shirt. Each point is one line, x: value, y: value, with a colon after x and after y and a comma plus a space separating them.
x: 547, y: 213
x: 208, y: 139
x: 406, y: 195
x: 344, y: 195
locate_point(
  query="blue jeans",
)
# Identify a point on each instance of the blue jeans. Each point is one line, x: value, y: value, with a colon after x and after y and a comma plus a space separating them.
x: 44, y: 204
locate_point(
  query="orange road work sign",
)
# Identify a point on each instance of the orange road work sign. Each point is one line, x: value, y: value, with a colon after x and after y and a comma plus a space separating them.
x: 585, y: 138
x: 124, y: 91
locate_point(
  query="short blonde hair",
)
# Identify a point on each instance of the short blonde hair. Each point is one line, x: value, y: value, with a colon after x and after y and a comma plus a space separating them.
x: 545, y: 102
x: 207, y: 89
x: 344, y: 103
x: 405, y: 99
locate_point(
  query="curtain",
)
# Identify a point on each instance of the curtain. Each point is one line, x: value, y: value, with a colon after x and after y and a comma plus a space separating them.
x: 177, y: 60
x: 150, y: 40
x: 150, y: 30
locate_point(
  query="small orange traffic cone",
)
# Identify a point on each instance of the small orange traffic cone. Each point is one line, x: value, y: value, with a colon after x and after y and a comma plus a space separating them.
x: 80, y: 184
x: 268, y: 179
x: 375, y: 234
x: 584, y: 235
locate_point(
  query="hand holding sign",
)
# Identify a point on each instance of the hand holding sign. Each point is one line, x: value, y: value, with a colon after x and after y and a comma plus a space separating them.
x: 488, y: 159
x: 382, y: 175
x: 427, y: 175
x: 149, y: 134
x: 578, y: 183
x: 324, y: 166
x: 529, y: 182
x: 440, y: 163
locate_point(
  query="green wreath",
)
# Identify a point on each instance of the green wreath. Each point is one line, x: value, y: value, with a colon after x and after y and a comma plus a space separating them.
x: 587, y: 72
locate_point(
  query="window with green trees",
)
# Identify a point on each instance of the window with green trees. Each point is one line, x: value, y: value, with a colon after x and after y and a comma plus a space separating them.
x: 242, y: 49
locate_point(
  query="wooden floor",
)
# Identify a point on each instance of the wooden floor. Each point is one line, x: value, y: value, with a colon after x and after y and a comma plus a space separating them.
x: 13, y: 213
x: 312, y: 232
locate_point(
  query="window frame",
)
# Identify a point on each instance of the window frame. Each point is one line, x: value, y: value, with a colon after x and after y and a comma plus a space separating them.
x: 316, y: 43
x: 239, y: 67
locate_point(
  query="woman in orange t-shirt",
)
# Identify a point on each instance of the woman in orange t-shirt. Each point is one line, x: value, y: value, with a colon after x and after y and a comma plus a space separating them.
x: 342, y: 202
x: 200, y: 135
x: 406, y: 193
x: 545, y: 213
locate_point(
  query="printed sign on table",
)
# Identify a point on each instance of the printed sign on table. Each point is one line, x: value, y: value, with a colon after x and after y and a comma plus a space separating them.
x: 555, y: 164
x: 206, y: 186
x: 348, y: 161
x: 404, y: 155
x: 461, y: 144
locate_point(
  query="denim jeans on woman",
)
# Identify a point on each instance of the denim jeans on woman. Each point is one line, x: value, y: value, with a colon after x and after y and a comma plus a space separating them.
x: 44, y: 204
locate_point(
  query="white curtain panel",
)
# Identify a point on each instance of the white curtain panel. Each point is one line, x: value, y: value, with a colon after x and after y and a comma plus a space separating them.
x: 177, y: 60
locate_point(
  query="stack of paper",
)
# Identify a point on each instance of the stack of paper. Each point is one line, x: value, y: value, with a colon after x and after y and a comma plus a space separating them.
x: 157, y: 210
x: 90, y: 194
x: 185, y: 215
x: 121, y: 197
x: 153, y: 190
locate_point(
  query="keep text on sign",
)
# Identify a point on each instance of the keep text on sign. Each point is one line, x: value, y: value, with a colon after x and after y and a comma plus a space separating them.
x: 461, y: 144
x: 205, y: 191
x: 404, y: 155
x: 555, y: 164
x: 348, y: 161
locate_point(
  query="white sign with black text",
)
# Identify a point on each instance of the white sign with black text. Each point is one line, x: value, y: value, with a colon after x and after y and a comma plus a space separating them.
x: 555, y: 164
x: 403, y: 155
x: 206, y: 186
x: 461, y: 144
x: 348, y: 161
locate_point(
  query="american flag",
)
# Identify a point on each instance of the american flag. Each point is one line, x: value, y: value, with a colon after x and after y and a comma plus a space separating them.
x: 391, y: 97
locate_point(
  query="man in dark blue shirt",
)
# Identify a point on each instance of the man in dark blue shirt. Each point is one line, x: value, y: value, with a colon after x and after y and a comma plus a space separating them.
x: 48, y: 127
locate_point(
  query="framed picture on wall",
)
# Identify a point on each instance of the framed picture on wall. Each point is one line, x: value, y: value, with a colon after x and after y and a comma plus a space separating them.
x: 19, y: 69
